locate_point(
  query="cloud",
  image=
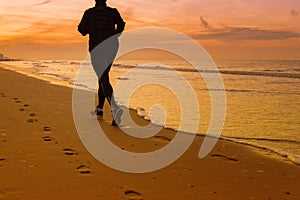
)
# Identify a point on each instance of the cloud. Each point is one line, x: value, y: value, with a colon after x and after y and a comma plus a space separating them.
x: 204, y: 23
x: 294, y: 13
x: 128, y: 12
x: 42, y: 3
x: 42, y: 30
x: 234, y: 33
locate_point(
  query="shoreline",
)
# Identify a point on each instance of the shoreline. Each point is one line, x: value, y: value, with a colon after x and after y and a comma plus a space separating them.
x: 28, y: 73
x: 294, y: 159
x: 41, y: 153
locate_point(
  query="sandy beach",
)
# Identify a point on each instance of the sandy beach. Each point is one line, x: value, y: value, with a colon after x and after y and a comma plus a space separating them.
x: 42, y: 157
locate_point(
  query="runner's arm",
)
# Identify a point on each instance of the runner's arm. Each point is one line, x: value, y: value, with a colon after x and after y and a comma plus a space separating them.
x: 83, y: 25
x: 119, y: 22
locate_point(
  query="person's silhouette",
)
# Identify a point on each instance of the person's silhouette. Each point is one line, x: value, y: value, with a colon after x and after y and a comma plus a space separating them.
x: 101, y: 23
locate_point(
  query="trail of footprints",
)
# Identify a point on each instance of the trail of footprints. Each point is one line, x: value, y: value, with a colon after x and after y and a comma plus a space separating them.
x: 32, y: 118
x: 82, y: 169
x: 25, y: 108
x: 46, y: 137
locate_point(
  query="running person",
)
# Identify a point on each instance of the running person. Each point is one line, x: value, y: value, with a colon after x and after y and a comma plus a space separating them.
x: 102, y: 22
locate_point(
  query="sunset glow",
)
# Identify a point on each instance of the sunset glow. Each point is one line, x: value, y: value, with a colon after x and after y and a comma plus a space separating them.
x: 228, y: 29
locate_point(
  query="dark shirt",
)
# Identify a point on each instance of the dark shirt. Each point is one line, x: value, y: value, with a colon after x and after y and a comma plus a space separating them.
x: 100, y: 22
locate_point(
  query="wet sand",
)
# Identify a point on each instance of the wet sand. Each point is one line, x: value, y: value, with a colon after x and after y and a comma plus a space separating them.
x: 42, y: 157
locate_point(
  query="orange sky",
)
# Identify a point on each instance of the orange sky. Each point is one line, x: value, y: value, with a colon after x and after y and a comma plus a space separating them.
x: 228, y: 29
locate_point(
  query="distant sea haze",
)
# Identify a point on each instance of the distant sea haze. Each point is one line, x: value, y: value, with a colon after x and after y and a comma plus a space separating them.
x: 263, y: 97
x: 4, y: 58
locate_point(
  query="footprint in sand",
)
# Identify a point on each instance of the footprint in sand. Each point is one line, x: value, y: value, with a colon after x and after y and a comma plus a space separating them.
x: 3, y: 132
x: 2, y: 159
x: 2, y: 94
x: 83, y: 169
x: 17, y: 100
x: 3, y: 135
x: 24, y: 108
x: 31, y: 120
x: 47, y: 129
x: 47, y: 138
x: 133, y: 195
x: 163, y: 138
x: 32, y: 115
x: 224, y: 157
x: 69, y: 152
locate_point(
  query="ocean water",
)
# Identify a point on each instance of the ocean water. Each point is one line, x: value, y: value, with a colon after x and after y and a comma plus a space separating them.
x: 262, y: 106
